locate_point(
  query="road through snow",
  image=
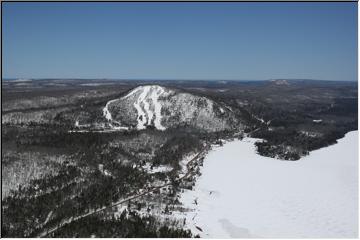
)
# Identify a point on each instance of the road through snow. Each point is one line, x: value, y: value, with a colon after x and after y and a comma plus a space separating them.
x: 143, y: 192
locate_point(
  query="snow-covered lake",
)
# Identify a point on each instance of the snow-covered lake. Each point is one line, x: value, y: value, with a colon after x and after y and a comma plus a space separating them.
x: 242, y: 194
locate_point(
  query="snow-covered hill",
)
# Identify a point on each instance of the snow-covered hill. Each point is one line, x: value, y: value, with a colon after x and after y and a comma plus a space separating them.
x: 163, y: 108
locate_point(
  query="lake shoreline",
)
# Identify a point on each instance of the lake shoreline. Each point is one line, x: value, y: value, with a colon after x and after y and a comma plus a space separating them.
x: 249, y: 195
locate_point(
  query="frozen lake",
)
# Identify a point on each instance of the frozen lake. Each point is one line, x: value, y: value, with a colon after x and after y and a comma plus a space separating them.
x: 242, y: 194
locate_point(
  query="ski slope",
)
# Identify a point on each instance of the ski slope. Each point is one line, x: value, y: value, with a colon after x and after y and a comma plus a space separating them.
x: 108, y: 116
x: 147, y: 105
x: 242, y: 194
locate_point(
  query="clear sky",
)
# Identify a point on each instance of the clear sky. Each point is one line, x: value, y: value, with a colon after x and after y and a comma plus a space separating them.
x: 242, y: 41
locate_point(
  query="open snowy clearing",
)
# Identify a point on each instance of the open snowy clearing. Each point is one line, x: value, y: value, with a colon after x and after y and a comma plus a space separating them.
x: 243, y: 194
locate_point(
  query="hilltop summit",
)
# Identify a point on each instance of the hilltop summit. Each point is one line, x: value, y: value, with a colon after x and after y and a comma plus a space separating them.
x: 162, y: 108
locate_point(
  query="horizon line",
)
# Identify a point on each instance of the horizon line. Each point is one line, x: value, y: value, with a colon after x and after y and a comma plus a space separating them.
x: 171, y: 79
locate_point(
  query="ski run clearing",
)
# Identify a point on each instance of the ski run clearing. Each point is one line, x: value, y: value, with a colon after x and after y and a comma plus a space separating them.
x: 148, y: 100
x: 147, y: 106
x: 108, y: 117
x: 242, y: 194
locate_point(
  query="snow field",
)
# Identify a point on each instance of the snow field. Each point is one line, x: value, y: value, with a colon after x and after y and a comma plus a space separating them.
x: 243, y: 194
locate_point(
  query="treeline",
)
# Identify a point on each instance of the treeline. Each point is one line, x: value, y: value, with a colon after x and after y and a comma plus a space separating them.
x: 66, y: 195
x: 26, y: 208
x: 172, y: 152
x: 291, y: 144
x: 129, y: 226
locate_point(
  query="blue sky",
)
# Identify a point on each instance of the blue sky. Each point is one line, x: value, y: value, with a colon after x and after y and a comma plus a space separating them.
x: 240, y: 41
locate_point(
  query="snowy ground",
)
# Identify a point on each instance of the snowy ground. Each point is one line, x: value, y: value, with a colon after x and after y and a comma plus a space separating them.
x: 163, y: 168
x: 242, y: 194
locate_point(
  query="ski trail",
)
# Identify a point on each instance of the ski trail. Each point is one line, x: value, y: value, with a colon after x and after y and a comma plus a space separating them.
x: 149, y: 113
x: 141, y: 114
x: 147, y: 100
x: 157, y: 106
x: 108, y: 116
x: 132, y: 92
x: 106, y: 111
